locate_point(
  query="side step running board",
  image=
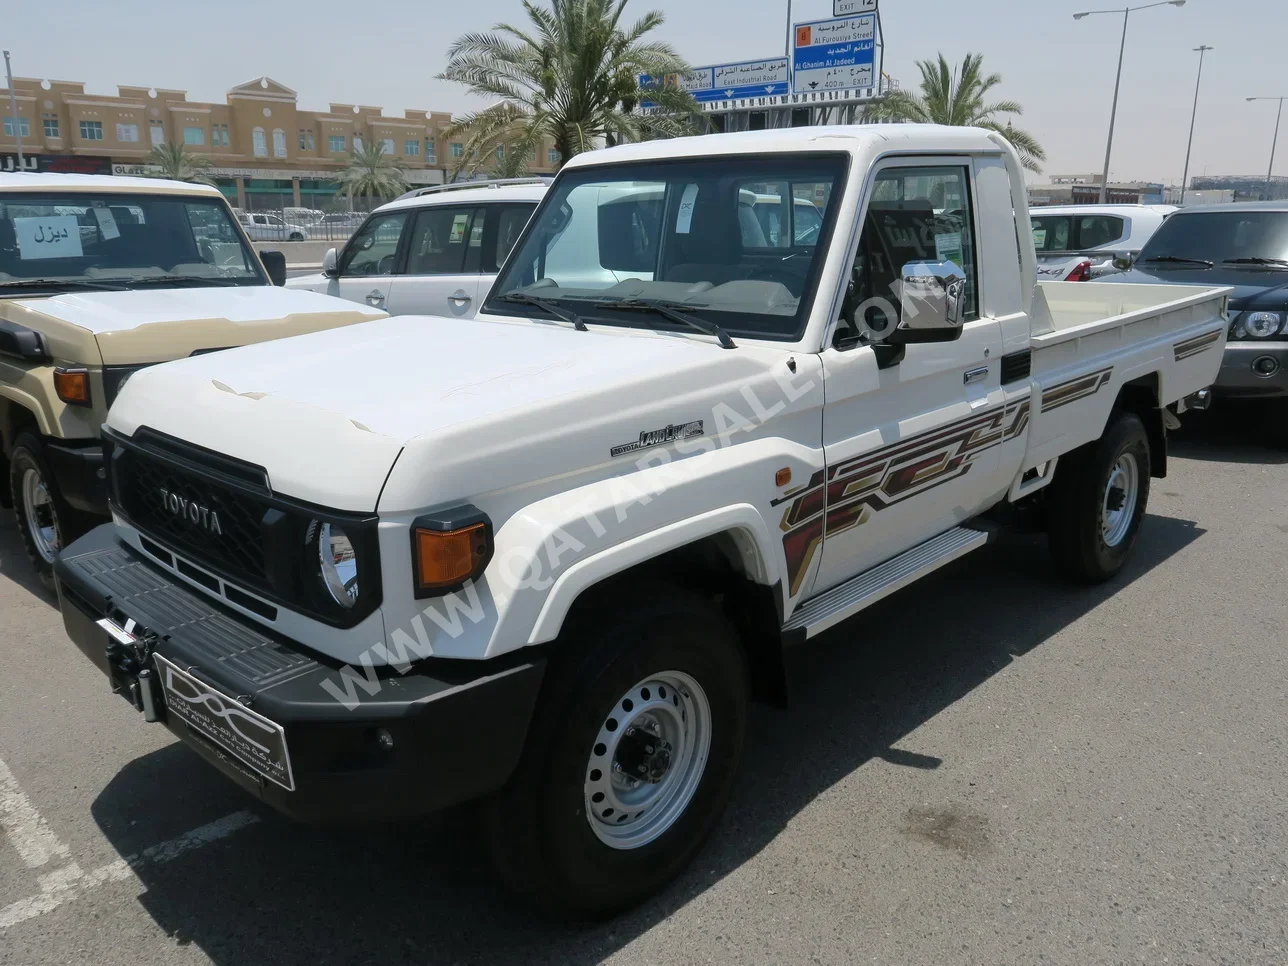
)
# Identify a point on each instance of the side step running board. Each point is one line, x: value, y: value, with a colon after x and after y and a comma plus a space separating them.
x: 831, y: 607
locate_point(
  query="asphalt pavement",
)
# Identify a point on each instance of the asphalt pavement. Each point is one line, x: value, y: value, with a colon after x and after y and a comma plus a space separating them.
x: 990, y: 767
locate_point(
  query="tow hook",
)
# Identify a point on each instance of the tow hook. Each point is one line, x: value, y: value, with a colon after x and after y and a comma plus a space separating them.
x: 129, y: 656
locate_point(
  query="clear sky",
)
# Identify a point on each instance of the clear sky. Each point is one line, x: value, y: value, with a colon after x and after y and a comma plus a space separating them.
x: 387, y: 53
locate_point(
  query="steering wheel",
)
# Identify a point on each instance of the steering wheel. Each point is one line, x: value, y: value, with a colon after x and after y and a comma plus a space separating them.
x: 770, y: 274
x: 386, y: 265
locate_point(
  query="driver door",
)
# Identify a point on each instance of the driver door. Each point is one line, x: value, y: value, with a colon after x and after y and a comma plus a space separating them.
x: 369, y: 261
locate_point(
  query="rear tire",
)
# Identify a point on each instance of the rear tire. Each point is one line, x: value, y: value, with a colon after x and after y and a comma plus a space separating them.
x: 1097, y: 502
x: 631, y: 755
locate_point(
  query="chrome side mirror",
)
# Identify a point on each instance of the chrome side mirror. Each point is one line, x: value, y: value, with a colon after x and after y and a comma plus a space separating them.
x: 329, y: 261
x: 1123, y: 261
x: 932, y: 301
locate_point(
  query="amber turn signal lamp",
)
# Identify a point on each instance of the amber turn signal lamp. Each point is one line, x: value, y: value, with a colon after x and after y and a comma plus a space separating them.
x: 783, y: 476
x: 72, y: 386
x: 446, y: 559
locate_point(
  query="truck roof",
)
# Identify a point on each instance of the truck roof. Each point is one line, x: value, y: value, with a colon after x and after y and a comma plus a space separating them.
x: 1280, y: 205
x: 467, y: 192
x: 48, y: 181
x: 848, y: 137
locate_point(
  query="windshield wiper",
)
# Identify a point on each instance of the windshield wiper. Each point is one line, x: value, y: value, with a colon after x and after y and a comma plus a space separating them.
x: 1255, y: 260
x: 670, y: 312
x: 215, y: 281
x: 101, y: 285
x: 545, y: 305
x: 1180, y: 259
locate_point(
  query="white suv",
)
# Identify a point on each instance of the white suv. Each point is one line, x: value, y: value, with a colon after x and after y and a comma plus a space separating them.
x: 434, y: 251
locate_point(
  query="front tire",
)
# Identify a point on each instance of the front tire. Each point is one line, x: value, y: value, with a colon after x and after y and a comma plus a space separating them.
x: 46, y: 522
x: 631, y: 755
x: 1097, y: 502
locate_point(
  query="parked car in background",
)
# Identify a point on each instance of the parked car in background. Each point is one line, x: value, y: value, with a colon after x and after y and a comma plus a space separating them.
x: 1244, y: 246
x: 266, y: 226
x: 433, y: 251
x: 101, y: 277
x: 304, y: 217
x: 1077, y: 243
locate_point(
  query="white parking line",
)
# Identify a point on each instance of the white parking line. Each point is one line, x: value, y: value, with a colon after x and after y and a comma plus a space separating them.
x: 23, y: 826
x: 71, y: 882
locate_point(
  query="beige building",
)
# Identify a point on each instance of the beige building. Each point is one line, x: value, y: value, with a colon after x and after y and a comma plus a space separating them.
x: 267, y: 152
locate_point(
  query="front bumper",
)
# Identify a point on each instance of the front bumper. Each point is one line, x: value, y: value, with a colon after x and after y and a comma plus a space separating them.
x: 402, y: 745
x: 1238, y: 378
x: 78, y: 470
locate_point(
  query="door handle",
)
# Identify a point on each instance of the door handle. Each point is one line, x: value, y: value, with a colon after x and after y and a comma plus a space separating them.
x: 375, y: 296
x: 975, y: 375
x: 460, y: 298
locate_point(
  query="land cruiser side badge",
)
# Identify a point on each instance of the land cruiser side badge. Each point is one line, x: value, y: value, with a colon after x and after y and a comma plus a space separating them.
x: 659, y: 437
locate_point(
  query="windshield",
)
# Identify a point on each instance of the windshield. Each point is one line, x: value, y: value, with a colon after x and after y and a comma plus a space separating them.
x: 79, y: 238
x: 737, y: 241
x: 1219, y: 236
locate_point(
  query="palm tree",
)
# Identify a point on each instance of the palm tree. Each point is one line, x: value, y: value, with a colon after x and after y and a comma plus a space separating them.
x: 371, y: 173
x: 512, y: 162
x: 171, y: 160
x: 571, y: 75
x: 951, y: 95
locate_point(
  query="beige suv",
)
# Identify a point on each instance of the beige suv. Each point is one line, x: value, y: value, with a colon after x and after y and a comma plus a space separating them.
x: 101, y: 276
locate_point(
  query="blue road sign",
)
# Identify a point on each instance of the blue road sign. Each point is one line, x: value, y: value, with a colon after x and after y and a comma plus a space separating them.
x: 836, y: 54
x: 727, y: 82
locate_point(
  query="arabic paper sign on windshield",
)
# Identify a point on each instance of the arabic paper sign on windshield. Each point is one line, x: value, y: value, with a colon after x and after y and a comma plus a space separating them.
x: 57, y: 236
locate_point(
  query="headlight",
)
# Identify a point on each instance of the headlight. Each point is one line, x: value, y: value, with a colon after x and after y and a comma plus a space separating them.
x: 1258, y: 325
x: 337, y: 562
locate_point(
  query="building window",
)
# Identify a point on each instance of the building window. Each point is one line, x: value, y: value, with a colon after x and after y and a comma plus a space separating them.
x: 500, y: 152
x: 91, y: 130
x: 306, y: 140
x: 458, y: 149
x: 279, y: 143
x: 411, y: 148
x: 23, y: 126
x: 219, y: 135
x: 157, y: 132
x: 431, y: 152
x: 195, y: 136
x: 258, y: 143
x: 51, y: 127
x: 357, y: 143
x: 127, y: 132
x: 335, y: 143
x: 387, y: 146
x: 552, y: 156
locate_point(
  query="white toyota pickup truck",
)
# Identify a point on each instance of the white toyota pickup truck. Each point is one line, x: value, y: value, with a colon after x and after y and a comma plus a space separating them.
x: 545, y: 558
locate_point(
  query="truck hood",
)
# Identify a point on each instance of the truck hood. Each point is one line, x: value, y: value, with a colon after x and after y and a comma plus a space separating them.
x: 153, y: 325
x: 465, y: 407
x: 1253, y: 288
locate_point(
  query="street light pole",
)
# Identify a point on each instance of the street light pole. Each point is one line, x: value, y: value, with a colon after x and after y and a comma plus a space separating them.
x: 1189, y: 145
x: 1275, y: 141
x: 13, y: 108
x: 1113, y: 111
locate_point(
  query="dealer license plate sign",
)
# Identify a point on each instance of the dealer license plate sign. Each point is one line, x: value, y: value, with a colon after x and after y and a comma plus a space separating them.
x: 255, y: 741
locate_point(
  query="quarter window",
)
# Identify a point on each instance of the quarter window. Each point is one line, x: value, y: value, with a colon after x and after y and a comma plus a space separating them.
x: 374, y: 249
x: 510, y: 224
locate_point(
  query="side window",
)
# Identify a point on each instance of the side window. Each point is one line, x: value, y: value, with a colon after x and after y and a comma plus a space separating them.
x: 916, y: 214
x: 442, y: 239
x: 1097, y: 230
x: 260, y: 219
x: 510, y: 222
x: 629, y: 230
x: 1051, y: 234
x: 374, y: 249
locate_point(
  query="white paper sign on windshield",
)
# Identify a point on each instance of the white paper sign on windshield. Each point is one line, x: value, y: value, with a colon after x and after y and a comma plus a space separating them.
x: 107, y: 223
x: 57, y: 236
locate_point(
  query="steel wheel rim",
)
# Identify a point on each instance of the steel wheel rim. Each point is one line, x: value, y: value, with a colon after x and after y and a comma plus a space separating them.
x: 664, y: 718
x: 1120, y: 499
x: 42, y: 520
